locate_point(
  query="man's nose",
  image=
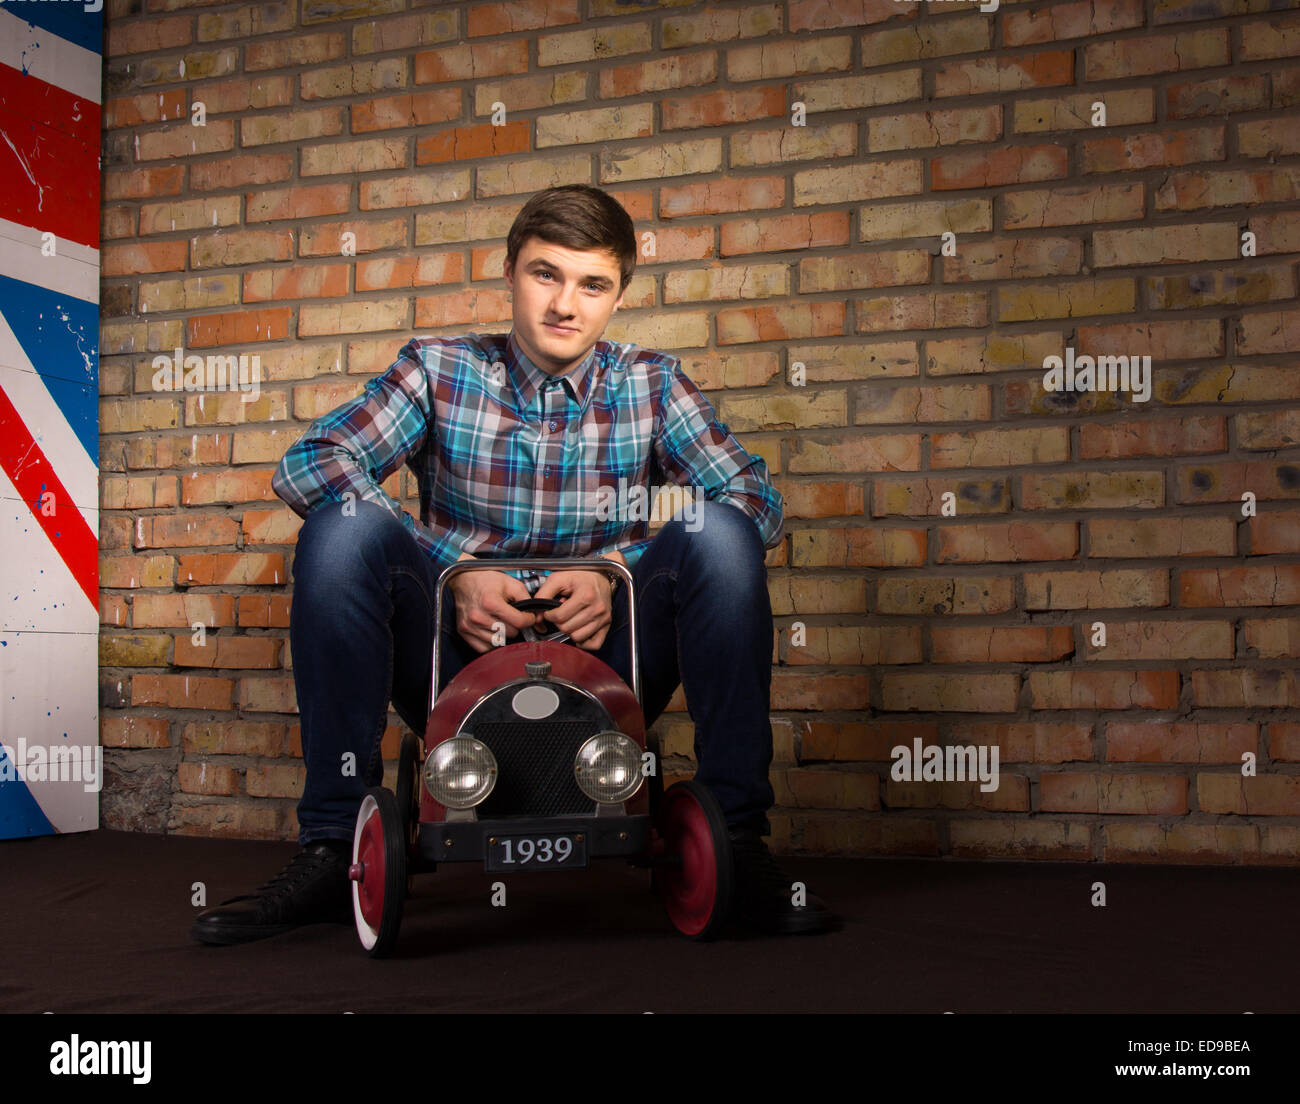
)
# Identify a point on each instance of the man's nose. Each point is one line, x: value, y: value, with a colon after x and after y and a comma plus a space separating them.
x: 562, y: 303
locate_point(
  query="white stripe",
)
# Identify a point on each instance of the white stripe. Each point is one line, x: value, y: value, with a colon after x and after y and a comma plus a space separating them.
x: 73, y: 270
x: 37, y: 591
x: 46, y: 423
x: 48, y: 57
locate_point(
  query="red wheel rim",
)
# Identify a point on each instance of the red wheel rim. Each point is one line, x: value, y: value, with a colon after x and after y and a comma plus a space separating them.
x: 691, y: 892
x: 370, y: 853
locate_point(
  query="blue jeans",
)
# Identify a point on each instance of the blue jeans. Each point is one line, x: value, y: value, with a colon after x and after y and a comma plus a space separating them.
x: 361, y: 632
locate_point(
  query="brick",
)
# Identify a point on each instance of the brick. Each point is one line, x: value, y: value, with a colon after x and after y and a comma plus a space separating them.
x: 1122, y: 108
x: 1009, y: 542
x: 291, y: 126
x: 183, y: 140
x: 779, y: 323
x: 1067, y: 300
x: 1053, y: 841
x: 604, y: 42
x: 1017, y: 165
x: 202, y: 488
x: 929, y: 311
x: 133, y: 731
x: 361, y: 77
x: 1151, y: 54
x: 133, y: 493
x: 144, y: 183
x: 1164, y: 640
x: 1164, y: 437
x: 1244, y: 688
x: 709, y: 25
x: 882, y: 359
x: 1220, y: 96
x: 960, y: 35
x: 1273, y: 533
x: 239, y: 172
x: 1175, y: 742
x: 1091, y: 490
x: 780, y: 233
x: 326, y: 239
x: 1074, y: 20
x: 520, y: 15
x: 325, y: 11
x: 465, y: 60
x: 721, y: 197
x: 864, y: 270
x: 1162, y: 341
x: 1182, y: 844
x: 712, y: 109
x: 1001, y: 644
x: 132, y: 260
x: 848, y: 93
x: 601, y: 124
x: 660, y: 161
x: 1220, y: 288
x: 418, y: 190
x: 182, y: 691
x: 532, y: 175
x: 244, y: 95
x: 1014, y: 260
x: 662, y: 74
x: 369, y: 155
x: 935, y: 128
x: 207, y: 778
x: 1004, y: 74
x: 1189, y: 191
x: 949, y: 692
x: 766, y: 61
x: 1108, y: 689
x: 771, y: 147
x: 133, y: 651
x: 226, y: 821
x: 964, y: 595
x: 1110, y: 793
x: 873, y: 406
x: 1267, y: 138
x: 883, y: 222
x: 1152, y: 150
x: 797, y: 691
x: 1262, y: 585
x: 1262, y: 795
x: 131, y: 111
x: 999, y: 447
x: 1268, y: 430
x: 994, y: 353
x: 1125, y: 588
x: 851, y: 645
x: 310, y: 49
x: 136, y: 571
x: 1072, y: 206
x: 526, y: 93
x: 259, y: 738
x: 921, y: 497
x: 857, y: 547
x: 734, y: 282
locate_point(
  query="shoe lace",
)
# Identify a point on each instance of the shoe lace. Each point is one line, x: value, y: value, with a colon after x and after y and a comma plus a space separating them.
x: 304, y: 865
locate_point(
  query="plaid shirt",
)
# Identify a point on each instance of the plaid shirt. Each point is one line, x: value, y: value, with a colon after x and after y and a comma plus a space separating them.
x: 514, y: 462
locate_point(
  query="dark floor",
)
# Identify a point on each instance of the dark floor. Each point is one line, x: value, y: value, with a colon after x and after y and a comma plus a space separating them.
x: 100, y: 922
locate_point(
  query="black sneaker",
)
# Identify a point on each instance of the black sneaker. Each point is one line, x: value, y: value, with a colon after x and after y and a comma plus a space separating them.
x: 312, y: 889
x: 764, y: 897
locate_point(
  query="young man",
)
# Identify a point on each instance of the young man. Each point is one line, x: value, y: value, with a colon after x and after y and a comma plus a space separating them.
x: 517, y: 440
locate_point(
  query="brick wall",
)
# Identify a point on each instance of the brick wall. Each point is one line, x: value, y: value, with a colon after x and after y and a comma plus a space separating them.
x: 959, y: 537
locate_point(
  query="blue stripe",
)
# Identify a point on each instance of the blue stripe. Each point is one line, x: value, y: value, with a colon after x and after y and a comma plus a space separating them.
x: 60, y: 335
x: 65, y: 18
x: 20, y: 815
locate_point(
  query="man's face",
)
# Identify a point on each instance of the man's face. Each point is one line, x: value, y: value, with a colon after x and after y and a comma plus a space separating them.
x: 562, y: 300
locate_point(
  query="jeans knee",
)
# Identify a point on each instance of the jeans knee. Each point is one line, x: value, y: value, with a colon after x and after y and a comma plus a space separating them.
x: 722, y: 537
x: 337, y: 540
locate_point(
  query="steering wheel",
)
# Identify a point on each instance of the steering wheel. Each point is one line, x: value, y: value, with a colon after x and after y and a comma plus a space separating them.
x: 540, y: 605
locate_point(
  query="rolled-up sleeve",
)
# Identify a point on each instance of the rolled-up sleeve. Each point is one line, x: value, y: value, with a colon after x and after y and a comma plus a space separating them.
x: 695, y: 449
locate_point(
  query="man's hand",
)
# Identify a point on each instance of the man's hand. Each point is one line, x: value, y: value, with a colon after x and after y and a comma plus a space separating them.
x: 586, y: 611
x: 483, y: 606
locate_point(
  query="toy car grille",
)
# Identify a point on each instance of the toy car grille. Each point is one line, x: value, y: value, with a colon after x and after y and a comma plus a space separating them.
x: 535, y: 762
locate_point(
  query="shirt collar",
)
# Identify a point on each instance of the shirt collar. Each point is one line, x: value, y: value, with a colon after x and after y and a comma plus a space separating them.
x: 528, y: 379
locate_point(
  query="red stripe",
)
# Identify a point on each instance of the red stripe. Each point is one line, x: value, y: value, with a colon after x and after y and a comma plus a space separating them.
x: 50, y: 139
x: 38, y: 101
x: 33, y: 477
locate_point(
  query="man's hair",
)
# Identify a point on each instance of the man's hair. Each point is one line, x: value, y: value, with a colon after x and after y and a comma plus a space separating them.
x: 576, y: 216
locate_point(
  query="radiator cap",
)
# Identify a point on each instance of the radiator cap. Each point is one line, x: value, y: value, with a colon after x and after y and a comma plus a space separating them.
x: 537, y: 668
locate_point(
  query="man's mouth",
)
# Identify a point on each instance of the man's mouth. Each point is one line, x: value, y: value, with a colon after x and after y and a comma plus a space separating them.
x: 560, y: 329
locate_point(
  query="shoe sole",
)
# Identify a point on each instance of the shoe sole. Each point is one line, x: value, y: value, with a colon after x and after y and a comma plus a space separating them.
x: 224, y: 936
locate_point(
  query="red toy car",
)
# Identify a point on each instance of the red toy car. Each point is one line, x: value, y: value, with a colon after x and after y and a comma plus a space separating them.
x: 535, y: 758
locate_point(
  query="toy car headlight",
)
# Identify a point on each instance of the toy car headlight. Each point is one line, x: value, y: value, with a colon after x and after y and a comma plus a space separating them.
x: 608, y: 767
x: 460, y: 772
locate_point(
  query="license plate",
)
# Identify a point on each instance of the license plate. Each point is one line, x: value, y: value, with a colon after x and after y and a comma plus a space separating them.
x: 509, y: 854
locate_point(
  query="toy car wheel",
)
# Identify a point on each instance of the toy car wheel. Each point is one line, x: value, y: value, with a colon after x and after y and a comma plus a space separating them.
x: 378, y: 872
x: 696, y: 888
x: 407, y: 764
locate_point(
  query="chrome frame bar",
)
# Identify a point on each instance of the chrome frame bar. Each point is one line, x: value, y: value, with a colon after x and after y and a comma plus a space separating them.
x: 580, y: 564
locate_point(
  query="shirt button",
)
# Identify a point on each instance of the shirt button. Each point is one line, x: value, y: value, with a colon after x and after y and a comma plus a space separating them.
x: 554, y: 426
